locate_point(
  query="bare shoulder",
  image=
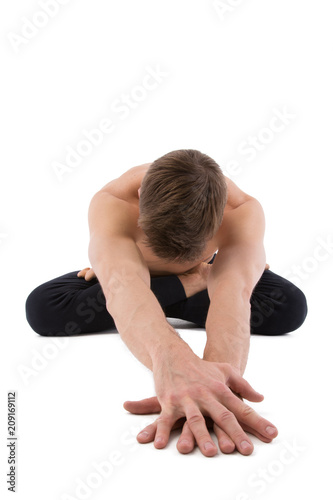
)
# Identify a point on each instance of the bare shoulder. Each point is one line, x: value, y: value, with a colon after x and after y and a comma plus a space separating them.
x: 126, y: 186
x: 114, y: 209
x: 236, y: 196
x: 110, y: 216
x: 243, y: 217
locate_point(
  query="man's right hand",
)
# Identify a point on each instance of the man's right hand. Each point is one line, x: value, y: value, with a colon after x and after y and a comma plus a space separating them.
x: 194, y: 388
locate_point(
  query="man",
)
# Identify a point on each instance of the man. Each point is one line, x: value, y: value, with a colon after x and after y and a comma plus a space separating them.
x: 176, y: 238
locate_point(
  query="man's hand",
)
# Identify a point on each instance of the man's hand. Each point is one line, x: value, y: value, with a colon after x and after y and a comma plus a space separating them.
x: 87, y: 273
x: 196, y: 389
x: 186, y: 441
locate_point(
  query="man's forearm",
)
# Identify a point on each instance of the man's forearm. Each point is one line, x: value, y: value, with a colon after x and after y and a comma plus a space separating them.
x: 125, y: 281
x: 141, y: 322
x: 228, y: 327
x: 140, y: 319
x: 237, y: 268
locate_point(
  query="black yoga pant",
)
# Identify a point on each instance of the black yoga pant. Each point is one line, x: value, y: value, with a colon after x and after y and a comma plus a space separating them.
x: 69, y: 305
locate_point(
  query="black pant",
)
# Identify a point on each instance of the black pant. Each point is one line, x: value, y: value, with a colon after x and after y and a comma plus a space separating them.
x: 69, y: 305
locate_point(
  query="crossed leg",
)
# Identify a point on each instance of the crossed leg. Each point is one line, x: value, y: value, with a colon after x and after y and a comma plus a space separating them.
x: 69, y: 305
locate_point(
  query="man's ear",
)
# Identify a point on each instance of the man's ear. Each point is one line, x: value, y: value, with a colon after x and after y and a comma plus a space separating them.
x: 139, y: 190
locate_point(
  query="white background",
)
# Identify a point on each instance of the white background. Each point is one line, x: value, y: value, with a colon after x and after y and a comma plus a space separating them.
x: 224, y: 74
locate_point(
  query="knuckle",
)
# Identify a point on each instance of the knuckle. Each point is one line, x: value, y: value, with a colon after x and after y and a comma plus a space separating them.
x: 195, y: 419
x: 175, y: 398
x: 239, y: 436
x: 196, y: 393
x: 220, y: 388
x: 163, y: 419
x: 247, y: 411
x: 226, y: 417
x: 261, y: 423
x: 202, y: 438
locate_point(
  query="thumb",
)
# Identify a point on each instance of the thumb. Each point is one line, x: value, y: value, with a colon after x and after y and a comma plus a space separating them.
x: 239, y: 385
x: 148, y: 405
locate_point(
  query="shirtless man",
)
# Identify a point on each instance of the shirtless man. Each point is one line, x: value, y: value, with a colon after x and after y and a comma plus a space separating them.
x: 154, y: 234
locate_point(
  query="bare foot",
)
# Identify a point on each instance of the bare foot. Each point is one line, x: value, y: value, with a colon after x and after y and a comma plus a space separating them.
x: 195, y: 281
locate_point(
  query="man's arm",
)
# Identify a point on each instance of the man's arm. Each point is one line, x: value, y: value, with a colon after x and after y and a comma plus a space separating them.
x: 236, y: 270
x: 125, y: 280
x: 186, y: 386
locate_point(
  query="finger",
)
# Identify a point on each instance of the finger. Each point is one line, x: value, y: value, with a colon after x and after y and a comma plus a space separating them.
x: 225, y: 443
x: 90, y: 275
x: 249, y: 429
x: 243, y: 388
x: 186, y: 441
x: 147, y: 434
x: 148, y: 405
x: 227, y: 421
x: 245, y: 414
x: 197, y: 425
x: 82, y: 272
x: 238, y: 395
x: 164, y: 425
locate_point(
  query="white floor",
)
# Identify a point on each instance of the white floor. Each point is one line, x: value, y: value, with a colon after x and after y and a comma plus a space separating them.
x: 70, y: 420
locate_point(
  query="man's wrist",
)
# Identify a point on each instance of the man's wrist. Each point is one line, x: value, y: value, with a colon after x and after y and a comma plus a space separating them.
x: 170, y: 350
x: 216, y: 354
x: 228, y: 340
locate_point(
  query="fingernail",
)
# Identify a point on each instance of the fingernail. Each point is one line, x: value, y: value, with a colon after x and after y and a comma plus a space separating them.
x: 270, y: 430
x: 209, y: 446
x: 245, y: 445
x: 143, y: 434
x: 158, y: 440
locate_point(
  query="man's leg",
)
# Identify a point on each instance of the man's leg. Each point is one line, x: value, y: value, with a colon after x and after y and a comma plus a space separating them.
x: 69, y: 305
x: 277, y: 306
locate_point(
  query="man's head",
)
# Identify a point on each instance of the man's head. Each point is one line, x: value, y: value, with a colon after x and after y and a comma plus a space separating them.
x: 182, y: 200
